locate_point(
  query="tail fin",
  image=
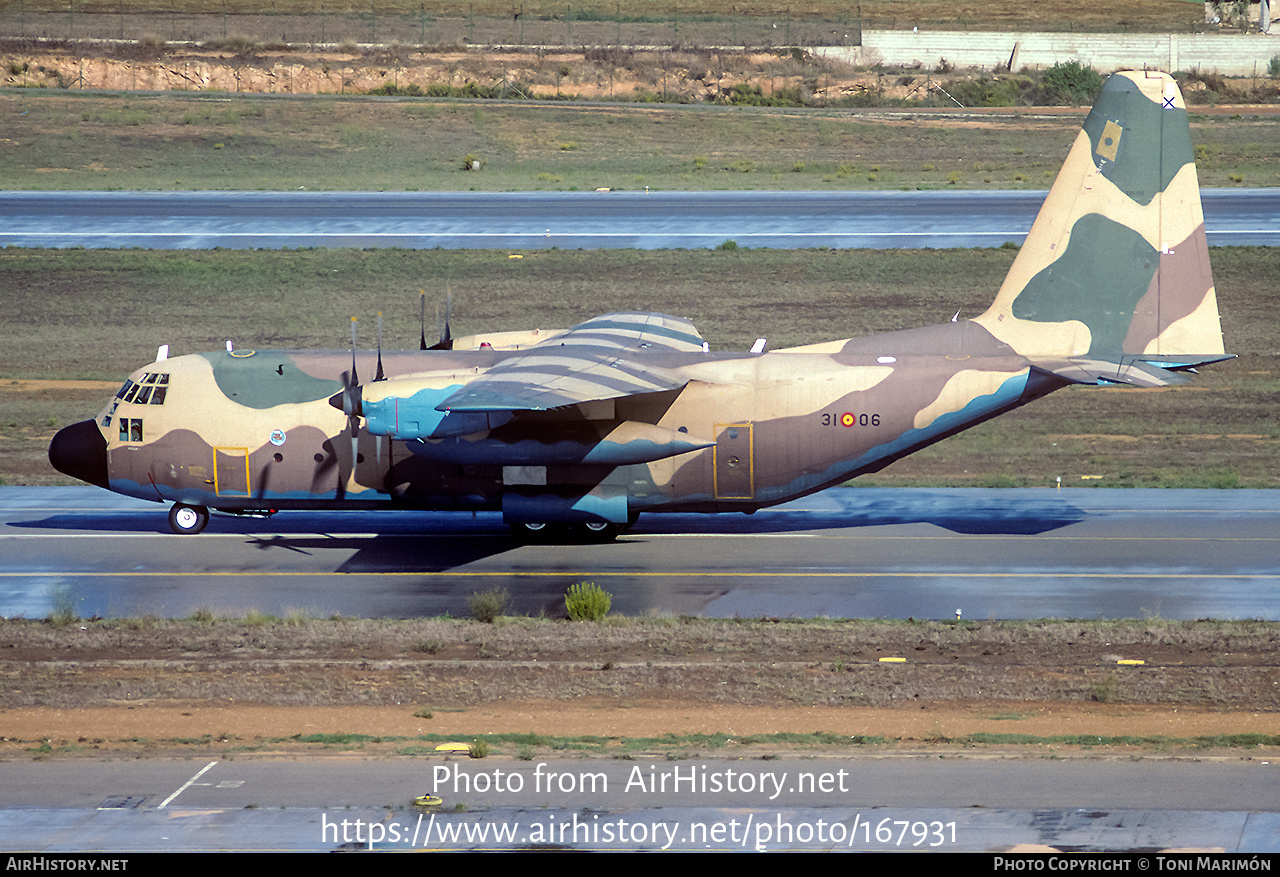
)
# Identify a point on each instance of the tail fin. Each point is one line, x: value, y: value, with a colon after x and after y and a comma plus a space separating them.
x: 1117, y: 261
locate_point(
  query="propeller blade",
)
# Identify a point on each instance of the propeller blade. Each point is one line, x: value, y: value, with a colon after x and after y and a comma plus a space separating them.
x: 447, y: 339
x: 351, y: 400
x: 446, y: 334
x: 380, y: 376
x: 422, y: 317
x: 355, y: 379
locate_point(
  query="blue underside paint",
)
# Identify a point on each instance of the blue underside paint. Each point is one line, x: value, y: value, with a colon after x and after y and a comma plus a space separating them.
x: 407, y: 417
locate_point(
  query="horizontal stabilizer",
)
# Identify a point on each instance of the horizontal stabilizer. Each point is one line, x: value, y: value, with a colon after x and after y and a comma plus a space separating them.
x: 1136, y: 371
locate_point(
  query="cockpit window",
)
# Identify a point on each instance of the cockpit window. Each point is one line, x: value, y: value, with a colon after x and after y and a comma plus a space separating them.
x: 152, y: 388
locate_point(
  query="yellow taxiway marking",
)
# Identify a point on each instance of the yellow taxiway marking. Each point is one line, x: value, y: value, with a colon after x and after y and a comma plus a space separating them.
x: 618, y: 574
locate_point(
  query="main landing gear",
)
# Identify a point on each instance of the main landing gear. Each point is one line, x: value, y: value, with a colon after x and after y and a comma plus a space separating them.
x: 596, y: 531
x: 187, y: 520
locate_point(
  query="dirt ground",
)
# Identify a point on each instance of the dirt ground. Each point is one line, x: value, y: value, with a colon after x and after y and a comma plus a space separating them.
x: 688, y: 76
x: 694, y: 76
x: 266, y: 731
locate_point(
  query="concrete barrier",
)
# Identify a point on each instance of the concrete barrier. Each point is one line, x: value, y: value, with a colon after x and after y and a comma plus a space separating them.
x: 1231, y: 55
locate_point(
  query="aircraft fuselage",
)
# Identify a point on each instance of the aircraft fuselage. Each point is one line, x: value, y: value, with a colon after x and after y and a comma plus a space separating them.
x: 255, y: 430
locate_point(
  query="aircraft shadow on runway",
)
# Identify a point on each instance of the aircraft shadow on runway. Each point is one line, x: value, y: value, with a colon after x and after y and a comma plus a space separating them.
x: 437, y: 542
x: 869, y: 509
x: 394, y: 552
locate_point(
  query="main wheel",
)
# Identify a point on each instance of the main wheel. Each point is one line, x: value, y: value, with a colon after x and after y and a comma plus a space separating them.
x: 599, y: 531
x: 187, y: 520
x: 531, y: 531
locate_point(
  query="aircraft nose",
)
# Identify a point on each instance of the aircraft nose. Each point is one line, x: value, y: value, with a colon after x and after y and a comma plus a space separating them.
x: 80, y: 451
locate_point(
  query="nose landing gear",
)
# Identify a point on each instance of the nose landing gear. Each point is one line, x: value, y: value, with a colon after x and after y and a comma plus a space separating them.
x: 187, y: 520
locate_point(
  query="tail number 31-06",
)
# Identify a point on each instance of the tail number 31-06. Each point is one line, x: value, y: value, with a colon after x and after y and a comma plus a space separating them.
x: 848, y: 418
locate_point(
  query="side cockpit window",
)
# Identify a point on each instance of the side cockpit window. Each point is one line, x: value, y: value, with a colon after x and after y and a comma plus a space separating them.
x: 130, y: 429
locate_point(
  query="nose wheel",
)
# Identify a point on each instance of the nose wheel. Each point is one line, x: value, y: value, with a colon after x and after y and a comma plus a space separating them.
x: 187, y: 520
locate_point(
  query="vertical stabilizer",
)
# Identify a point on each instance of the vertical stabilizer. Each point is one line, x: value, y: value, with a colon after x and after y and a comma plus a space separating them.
x: 1117, y: 261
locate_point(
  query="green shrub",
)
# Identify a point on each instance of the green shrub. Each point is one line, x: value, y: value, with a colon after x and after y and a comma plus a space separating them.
x: 1073, y: 81
x: 64, y: 612
x: 587, y: 601
x: 489, y: 605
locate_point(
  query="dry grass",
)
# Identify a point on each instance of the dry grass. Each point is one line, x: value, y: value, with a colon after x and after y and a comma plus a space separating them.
x: 586, y: 22
x: 298, y: 661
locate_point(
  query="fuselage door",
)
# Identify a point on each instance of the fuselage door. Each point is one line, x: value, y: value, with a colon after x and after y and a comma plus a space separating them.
x: 735, y: 469
x: 231, y: 471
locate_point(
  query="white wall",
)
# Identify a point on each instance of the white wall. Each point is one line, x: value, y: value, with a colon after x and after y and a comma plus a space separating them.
x: 1232, y: 55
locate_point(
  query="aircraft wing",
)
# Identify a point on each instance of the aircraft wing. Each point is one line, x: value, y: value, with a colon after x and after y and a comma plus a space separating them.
x: 593, y: 361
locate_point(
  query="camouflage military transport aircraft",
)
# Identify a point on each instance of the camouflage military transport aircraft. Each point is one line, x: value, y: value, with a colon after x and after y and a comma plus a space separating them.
x: 580, y: 431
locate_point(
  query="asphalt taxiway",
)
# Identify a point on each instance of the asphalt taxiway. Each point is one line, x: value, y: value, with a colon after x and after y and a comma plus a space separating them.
x: 827, y: 804
x: 593, y: 220
x: 851, y: 552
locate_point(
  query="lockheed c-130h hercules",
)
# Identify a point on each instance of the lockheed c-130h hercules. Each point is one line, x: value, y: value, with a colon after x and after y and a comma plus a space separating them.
x: 629, y: 413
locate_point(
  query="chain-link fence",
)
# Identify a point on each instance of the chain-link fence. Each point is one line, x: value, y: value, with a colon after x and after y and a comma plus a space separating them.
x: 396, y: 26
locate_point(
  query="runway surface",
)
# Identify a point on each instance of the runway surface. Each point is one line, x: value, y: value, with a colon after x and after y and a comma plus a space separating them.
x: 891, y: 553
x: 592, y: 220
